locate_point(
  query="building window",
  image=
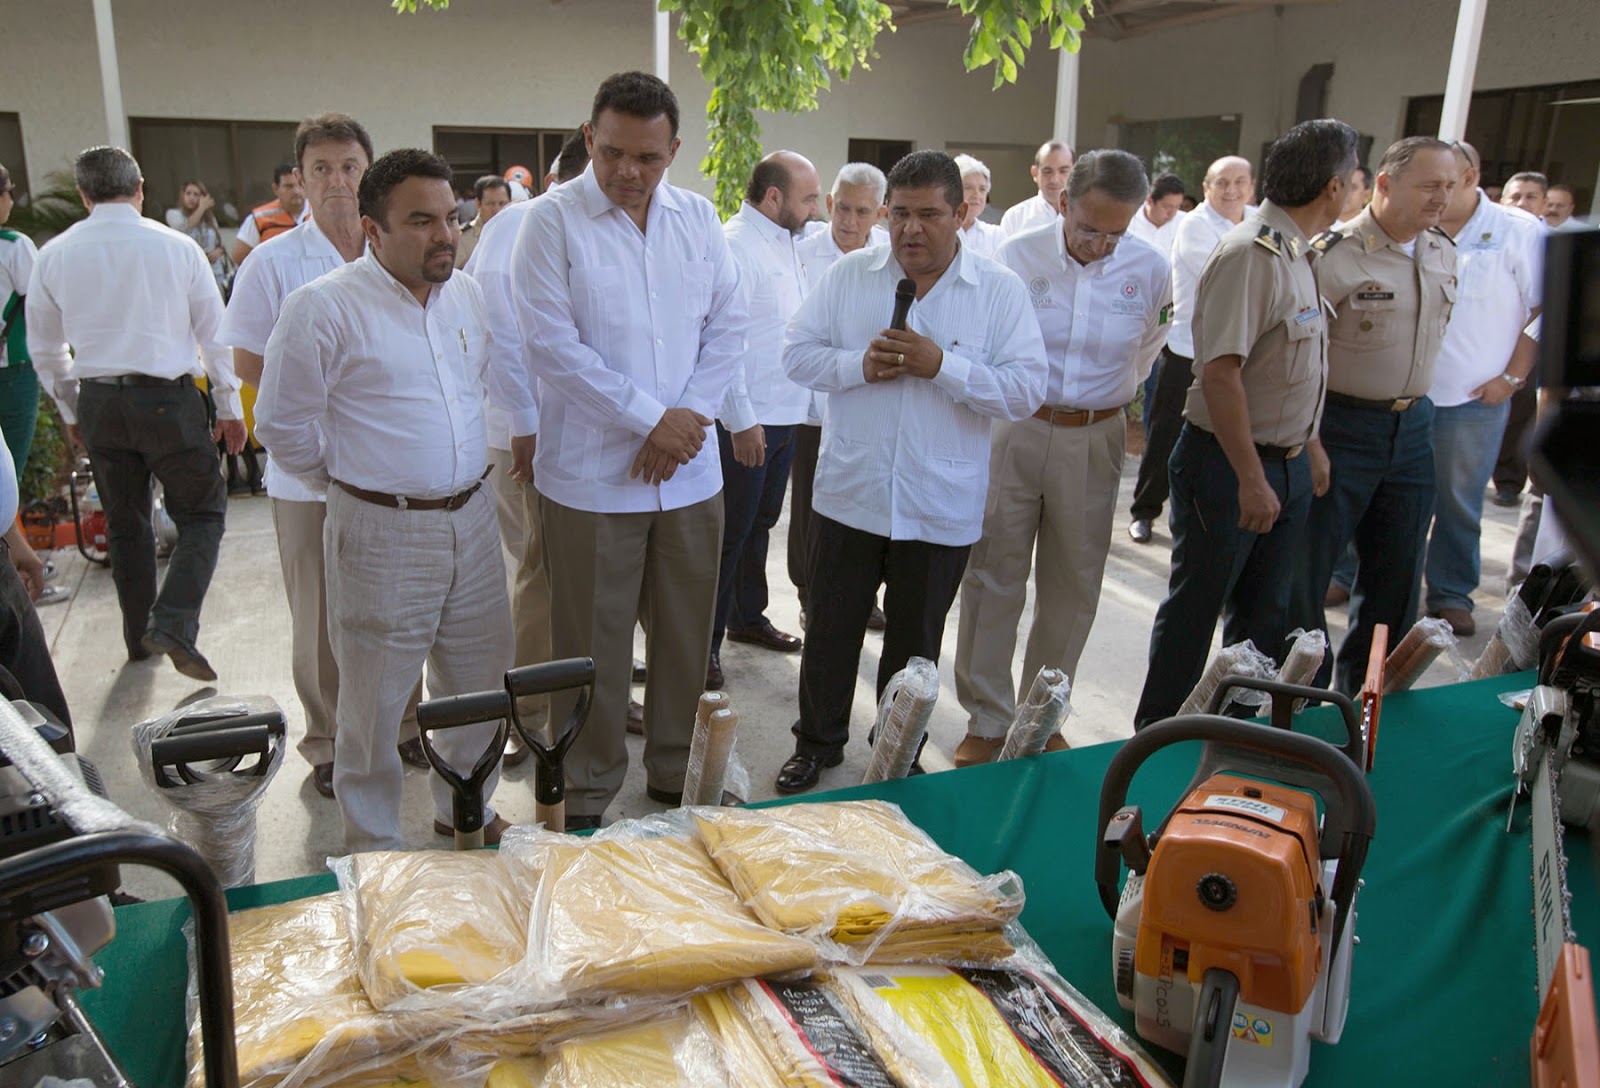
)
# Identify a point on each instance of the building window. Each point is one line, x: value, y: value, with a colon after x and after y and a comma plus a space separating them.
x: 11, y: 156
x: 1186, y: 146
x: 233, y: 159
x: 474, y: 152
x: 1554, y: 129
x: 880, y: 153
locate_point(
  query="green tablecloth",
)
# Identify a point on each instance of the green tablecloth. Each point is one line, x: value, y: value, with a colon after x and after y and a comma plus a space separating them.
x: 1444, y: 978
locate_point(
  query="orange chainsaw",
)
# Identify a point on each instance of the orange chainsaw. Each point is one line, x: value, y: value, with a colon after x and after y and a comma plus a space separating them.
x: 1234, y: 932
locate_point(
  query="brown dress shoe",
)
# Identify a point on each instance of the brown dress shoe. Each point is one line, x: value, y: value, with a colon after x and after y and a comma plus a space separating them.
x: 714, y: 678
x: 322, y: 778
x: 1459, y: 619
x: 1336, y: 596
x: 492, y: 831
x: 767, y: 636
x: 877, y: 621
x: 635, y: 718
x: 974, y: 750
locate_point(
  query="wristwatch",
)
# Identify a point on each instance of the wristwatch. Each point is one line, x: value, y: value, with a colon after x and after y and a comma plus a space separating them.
x: 1513, y: 381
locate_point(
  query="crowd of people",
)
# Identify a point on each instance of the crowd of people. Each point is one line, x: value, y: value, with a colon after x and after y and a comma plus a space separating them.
x: 621, y: 392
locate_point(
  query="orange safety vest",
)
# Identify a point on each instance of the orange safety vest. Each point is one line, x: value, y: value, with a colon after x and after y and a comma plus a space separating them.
x: 272, y: 220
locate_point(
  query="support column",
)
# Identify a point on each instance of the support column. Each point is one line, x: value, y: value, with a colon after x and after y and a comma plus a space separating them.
x: 663, y: 43
x: 110, y: 75
x: 1463, y: 63
x: 1066, y: 121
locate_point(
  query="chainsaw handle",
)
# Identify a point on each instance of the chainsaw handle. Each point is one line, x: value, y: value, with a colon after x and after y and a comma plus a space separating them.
x: 1284, y: 696
x: 1354, y: 793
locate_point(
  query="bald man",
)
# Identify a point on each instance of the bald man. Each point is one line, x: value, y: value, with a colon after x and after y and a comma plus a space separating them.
x: 756, y: 426
x: 1051, y: 165
x: 1229, y: 187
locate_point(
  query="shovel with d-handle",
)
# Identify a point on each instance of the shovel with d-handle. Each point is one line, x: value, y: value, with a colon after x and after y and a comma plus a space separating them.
x: 466, y: 791
x: 550, y: 779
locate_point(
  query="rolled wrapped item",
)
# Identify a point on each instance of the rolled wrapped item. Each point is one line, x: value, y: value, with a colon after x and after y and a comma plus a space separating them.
x: 903, y: 715
x: 1040, y: 717
x: 1242, y: 658
x: 637, y: 910
x: 1304, y: 658
x: 1427, y: 639
x: 1495, y: 660
x: 1514, y: 645
x: 709, y: 752
x: 430, y: 923
x: 862, y: 880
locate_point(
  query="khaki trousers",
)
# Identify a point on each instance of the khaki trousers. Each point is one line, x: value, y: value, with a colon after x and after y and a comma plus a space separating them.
x: 298, y: 526
x: 1052, y: 493
x: 516, y: 506
x: 605, y: 571
x: 408, y: 587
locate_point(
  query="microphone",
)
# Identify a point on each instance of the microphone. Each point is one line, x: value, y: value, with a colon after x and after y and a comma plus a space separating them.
x: 904, y: 294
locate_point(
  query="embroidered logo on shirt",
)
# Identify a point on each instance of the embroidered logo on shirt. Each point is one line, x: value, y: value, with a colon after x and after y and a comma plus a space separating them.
x: 1039, y: 290
x: 1130, y: 290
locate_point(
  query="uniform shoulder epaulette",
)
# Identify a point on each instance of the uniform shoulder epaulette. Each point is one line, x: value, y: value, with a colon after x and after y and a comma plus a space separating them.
x: 1270, y: 240
x: 1441, y: 232
x: 1326, y: 241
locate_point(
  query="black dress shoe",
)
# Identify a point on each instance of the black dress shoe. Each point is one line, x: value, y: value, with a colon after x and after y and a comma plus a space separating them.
x: 411, y: 753
x: 583, y: 823
x: 639, y: 673
x: 714, y: 673
x: 877, y: 621
x: 801, y: 771
x: 665, y: 797
x: 766, y: 635
x: 322, y: 778
x: 635, y: 718
x: 1139, y: 530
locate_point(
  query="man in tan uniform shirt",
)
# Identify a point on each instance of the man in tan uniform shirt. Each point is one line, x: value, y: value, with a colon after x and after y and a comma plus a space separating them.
x: 1245, y: 467
x: 1389, y: 275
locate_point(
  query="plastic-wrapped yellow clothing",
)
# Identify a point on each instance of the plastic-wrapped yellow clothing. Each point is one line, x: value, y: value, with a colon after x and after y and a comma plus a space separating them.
x: 672, y: 1051
x: 294, y: 981
x: 432, y: 919
x: 764, y: 1047
x: 861, y: 873
x: 641, y: 910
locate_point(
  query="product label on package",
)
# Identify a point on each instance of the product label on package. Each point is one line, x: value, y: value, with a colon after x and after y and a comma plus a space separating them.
x: 832, y: 1034
x: 1247, y: 805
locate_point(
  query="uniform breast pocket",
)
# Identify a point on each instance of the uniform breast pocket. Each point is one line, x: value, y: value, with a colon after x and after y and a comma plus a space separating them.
x: 1448, y: 289
x: 1367, y: 322
x: 975, y: 348
x: 1475, y: 273
x: 1303, y: 350
x: 696, y: 290
x: 596, y: 305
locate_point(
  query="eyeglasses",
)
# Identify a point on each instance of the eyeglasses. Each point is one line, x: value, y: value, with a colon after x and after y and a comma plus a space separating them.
x: 1093, y: 237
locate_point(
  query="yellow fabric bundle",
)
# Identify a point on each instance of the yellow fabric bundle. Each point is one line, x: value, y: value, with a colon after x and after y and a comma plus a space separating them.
x: 641, y: 910
x: 433, y: 919
x: 860, y: 872
x: 763, y: 1045
x: 672, y: 1051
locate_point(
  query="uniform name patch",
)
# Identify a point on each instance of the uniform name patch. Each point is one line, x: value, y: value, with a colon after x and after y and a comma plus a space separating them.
x: 1307, y: 316
x: 1375, y: 296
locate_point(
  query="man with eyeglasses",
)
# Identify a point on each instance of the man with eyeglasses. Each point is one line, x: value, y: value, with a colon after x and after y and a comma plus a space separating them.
x: 1248, y: 460
x: 1102, y: 300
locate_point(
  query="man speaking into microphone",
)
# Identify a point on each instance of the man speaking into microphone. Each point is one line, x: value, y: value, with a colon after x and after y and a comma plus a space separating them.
x: 904, y: 464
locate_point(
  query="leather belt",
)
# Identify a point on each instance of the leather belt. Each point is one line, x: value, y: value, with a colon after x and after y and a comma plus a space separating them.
x: 1074, y: 417
x: 1393, y: 404
x: 401, y: 502
x: 1279, y: 453
x: 138, y: 380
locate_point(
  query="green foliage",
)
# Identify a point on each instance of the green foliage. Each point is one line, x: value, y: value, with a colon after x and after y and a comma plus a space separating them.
x: 49, y: 459
x: 778, y: 55
x: 50, y: 210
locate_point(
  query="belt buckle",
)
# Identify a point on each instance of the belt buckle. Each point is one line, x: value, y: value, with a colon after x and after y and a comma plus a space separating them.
x: 1400, y: 404
x: 1293, y: 451
x: 400, y: 502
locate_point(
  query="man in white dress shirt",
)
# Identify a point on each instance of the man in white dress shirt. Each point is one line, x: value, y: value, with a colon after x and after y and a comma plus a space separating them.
x: 1051, y: 164
x: 1102, y: 299
x: 905, y: 462
x: 855, y: 207
x: 755, y: 428
x: 1156, y: 224
x: 1228, y: 188
x: 373, y: 390
x: 332, y: 151
x: 138, y: 305
x: 981, y: 238
x: 634, y: 321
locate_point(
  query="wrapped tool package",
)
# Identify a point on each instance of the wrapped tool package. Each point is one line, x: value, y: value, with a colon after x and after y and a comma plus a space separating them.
x: 716, y: 726
x: 1240, y: 659
x: 431, y: 923
x: 1304, y: 658
x: 862, y: 880
x: 1040, y: 716
x: 214, y: 808
x: 1513, y: 646
x: 1427, y: 639
x: 639, y: 910
x: 903, y: 715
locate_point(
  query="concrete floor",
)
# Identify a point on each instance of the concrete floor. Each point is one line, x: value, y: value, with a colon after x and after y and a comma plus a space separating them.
x: 245, y: 633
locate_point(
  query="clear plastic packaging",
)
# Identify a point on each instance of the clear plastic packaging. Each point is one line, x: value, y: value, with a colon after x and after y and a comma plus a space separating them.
x: 1241, y: 659
x: 709, y: 751
x: 903, y: 715
x: 669, y: 1051
x: 1514, y: 645
x: 217, y: 814
x: 431, y: 923
x: 639, y: 910
x: 862, y: 880
x: 1427, y: 639
x: 1041, y: 715
x: 1304, y: 658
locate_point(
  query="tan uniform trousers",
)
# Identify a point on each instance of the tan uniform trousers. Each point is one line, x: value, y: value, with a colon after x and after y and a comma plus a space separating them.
x: 516, y: 506
x: 606, y: 570
x: 1052, y: 494
x: 298, y: 526
x: 408, y: 587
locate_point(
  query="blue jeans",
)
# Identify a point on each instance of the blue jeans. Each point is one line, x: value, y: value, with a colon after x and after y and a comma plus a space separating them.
x: 1220, y: 569
x: 752, y: 503
x: 1379, y: 500
x: 1150, y: 392
x: 1466, y: 443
